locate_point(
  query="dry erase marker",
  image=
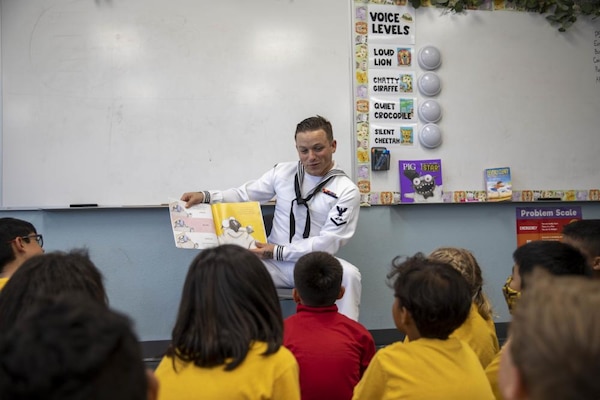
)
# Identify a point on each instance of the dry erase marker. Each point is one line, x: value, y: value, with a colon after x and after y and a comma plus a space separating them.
x: 382, y: 160
x: 330, y: 193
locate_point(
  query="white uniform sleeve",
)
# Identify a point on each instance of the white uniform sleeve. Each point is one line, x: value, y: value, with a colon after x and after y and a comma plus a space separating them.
x: 341, y: 222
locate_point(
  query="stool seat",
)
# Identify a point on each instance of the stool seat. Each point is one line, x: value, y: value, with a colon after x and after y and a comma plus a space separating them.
x: 284, y: 293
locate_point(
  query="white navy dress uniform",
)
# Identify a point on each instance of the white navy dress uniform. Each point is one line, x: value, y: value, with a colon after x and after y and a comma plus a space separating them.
x: 312, y: 213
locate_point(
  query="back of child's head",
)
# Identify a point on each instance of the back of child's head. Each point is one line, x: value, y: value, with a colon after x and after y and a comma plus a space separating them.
x: 555, y: 257
x: 585, y: 235
x: 50, y: 274
x: 228, y: 302
x: 465, y: 262
x: 555, y: 337
x: 436, y: 295
x: 318, y: 278
x: 11, y: 228
x: 71, y: 348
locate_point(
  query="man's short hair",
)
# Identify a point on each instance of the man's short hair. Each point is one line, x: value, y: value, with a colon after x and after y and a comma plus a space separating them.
x: 436, y: 295
x: 314, y: 124
x: 71, y: 348
x: 11, y: 228
x: 318, y: 278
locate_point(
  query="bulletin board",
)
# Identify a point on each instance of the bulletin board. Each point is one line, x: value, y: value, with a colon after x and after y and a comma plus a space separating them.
x: 514, y: 92
x: 130, y: 102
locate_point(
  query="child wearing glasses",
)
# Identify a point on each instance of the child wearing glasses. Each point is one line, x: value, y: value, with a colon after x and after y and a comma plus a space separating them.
x: 19, y: 241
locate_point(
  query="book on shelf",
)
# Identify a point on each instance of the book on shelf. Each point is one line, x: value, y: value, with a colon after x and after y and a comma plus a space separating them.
x: 498, y: 184
x: 202, y: 226
x: 421, y: 181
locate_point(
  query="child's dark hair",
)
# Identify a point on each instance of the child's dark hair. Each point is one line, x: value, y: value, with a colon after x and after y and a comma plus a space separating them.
x: 69, y: 347
x: 587, y: 233
x: 11, y: 228
x: 318, y: 278
x: 436, y: 295
x: 558, y: 258
x: 228, y: 302
x: 46, y: 275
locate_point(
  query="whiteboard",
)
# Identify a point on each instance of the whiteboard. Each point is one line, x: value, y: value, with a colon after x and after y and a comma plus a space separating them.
x: 515, y: 93
x: 128, y: 102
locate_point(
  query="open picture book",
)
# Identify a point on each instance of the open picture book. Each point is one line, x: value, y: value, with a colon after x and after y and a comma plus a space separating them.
x: 208, y: 225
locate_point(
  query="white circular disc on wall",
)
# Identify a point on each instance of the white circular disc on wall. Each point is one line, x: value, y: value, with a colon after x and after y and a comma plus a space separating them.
x: 430, y: 136
x: 429, y: 58
x: 430, y: 111
x: 429, y: 84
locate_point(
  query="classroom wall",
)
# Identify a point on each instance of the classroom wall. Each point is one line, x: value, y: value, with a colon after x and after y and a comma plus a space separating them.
x: 514, y: 90
x: 144, y: 272
x: 120, y: 88
x: 143, y: 96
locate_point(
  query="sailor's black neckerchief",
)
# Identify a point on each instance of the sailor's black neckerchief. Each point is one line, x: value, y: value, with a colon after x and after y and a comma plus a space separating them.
x: 298, y: 180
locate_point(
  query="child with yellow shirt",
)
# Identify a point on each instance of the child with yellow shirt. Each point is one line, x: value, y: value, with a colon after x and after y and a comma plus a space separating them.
x: 431, y: 300
x: 227, y: 340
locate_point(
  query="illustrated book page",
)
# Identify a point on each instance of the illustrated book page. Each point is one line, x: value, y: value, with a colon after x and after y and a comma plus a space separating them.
x: 204, y: 225
x: 239, y: 223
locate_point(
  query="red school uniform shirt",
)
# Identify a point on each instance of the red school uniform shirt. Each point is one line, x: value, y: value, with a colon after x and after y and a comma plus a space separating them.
x: 332, y: 351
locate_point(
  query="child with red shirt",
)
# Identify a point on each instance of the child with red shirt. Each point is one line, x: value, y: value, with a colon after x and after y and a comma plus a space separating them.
x: 332, y: 350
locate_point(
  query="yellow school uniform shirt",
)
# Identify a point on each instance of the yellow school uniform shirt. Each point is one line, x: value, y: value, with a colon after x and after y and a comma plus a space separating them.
x: 480, y: 334
x: 3, y: 282
x: 491, y: 371
x: 274, y: 376
x: 424, y: 369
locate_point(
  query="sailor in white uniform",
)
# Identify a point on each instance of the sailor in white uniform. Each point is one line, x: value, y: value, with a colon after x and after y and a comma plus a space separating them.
x: 316, y: 209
